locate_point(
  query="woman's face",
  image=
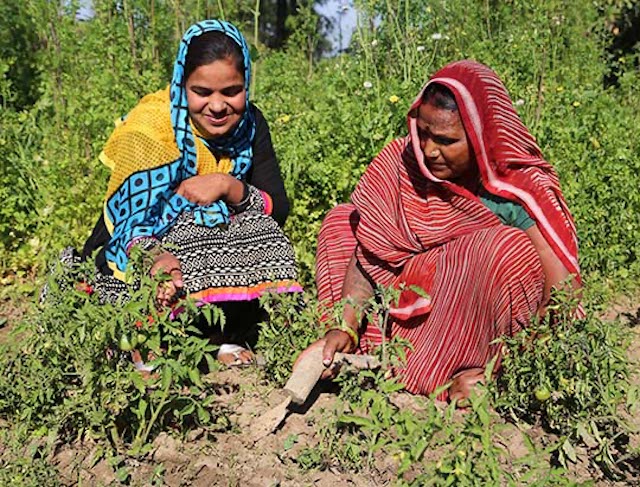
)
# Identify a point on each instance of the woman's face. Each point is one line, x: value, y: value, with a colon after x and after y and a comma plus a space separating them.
x: 443, y: 141
x: 216, y: 97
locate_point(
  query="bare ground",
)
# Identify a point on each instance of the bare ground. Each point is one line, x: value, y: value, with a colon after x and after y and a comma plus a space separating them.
x: 231, y: 458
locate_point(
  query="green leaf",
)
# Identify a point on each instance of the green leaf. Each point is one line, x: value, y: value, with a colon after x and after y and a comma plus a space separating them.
x: 122, y: 474
x: 419, y: 291
x: 568, y: 449
x: 357, y: 420
x: 194, y: 376
x: 138, y: 381
x: 188, y: 409
x: 97, y: 456
x: 254, y: 53
x: 142, y: 408
x: 166, y: 378
x: 207, y: 314
x: 290, y: 441
x: 204, y: 416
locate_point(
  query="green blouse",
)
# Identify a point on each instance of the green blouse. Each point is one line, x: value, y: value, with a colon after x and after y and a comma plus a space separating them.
x: 509, y: 212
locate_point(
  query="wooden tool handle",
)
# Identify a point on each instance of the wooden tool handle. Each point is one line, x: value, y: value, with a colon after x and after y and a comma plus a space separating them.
x: 307, y: 372
x: 305, y: 376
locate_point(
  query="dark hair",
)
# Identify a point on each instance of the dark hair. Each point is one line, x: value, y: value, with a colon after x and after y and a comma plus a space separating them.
x: 440, y: 97
x: 209, y: 47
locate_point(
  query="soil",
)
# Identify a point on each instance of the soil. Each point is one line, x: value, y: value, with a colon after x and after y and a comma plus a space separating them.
x: 228, y: 458
x: 232, y: 458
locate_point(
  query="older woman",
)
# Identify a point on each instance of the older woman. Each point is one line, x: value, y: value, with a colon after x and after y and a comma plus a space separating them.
x: 464, y: 207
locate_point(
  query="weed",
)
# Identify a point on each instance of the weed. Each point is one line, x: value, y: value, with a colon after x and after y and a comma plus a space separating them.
x: 571, y: 376
x: 81, y: 351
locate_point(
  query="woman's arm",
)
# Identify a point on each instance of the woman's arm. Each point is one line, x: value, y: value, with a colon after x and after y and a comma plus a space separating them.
x: 264, y: 175
x: 206, y: 188
x: 265, y: 172
x: 555, y: 273
x: 97, y: 240
x: 162, y: 261
x: 356, y: 291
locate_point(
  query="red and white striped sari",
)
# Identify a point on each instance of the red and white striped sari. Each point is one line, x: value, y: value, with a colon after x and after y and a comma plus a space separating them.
x: 484, y: 279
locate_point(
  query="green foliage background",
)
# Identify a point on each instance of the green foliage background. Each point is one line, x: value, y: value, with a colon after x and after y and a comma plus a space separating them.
x: 64, y: 80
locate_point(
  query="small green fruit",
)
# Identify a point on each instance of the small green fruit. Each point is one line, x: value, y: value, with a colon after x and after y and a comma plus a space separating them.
x: 140, y: 338
x: 124, y: 344
x: 542, y: 394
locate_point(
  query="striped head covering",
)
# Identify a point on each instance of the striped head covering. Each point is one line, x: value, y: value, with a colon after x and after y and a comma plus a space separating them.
x: 510, y: 162
x: 155, y: 148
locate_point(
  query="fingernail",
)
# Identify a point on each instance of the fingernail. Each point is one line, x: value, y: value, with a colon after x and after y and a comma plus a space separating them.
x: 326, y: 362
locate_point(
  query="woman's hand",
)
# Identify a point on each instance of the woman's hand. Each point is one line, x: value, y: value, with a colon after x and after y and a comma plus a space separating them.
x: 334, y: 341
x: 168, y: 290
x: 356, y: 290
x: 207, y: 188
x: 463, y: 384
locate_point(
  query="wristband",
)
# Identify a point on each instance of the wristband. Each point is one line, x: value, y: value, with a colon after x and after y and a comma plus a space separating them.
x: 244, y: 203
x: 355, y: 338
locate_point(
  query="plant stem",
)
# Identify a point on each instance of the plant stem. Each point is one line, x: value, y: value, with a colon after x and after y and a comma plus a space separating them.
x: 221, y: 10
x: 154, y: 415
x: 132, y: 35
x: 487, y: 12
x: 256, y: 30
x: 115, y: 437
x: 540, y: 97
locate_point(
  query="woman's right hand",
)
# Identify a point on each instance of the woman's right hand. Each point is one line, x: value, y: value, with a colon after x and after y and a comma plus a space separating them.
x: 334, y: 341
x: 358, y: 289
x: 167, y: 290
x: 204, y: 189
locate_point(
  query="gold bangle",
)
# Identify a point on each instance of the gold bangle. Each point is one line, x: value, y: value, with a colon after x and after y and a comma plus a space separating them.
x: 355, y: 338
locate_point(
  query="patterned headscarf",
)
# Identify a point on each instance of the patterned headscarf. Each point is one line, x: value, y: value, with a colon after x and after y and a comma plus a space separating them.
x: 148, y: 163
x: 237, y: 144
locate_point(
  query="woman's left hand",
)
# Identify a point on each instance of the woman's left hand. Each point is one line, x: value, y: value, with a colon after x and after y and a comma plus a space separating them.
x: 168, y: 290
x: 207, y: 188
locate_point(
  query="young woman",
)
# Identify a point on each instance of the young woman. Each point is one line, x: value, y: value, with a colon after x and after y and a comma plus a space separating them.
x: 195, y: 181
x: 464, y: 207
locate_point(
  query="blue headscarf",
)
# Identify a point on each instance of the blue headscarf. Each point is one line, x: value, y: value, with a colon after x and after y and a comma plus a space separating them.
x: 146, y: 205
x: 237, y: 144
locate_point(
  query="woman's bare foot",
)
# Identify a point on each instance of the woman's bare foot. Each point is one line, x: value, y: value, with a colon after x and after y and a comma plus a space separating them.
x: 145, y: 370
x: 463, y: 383
x: 233, y: 355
